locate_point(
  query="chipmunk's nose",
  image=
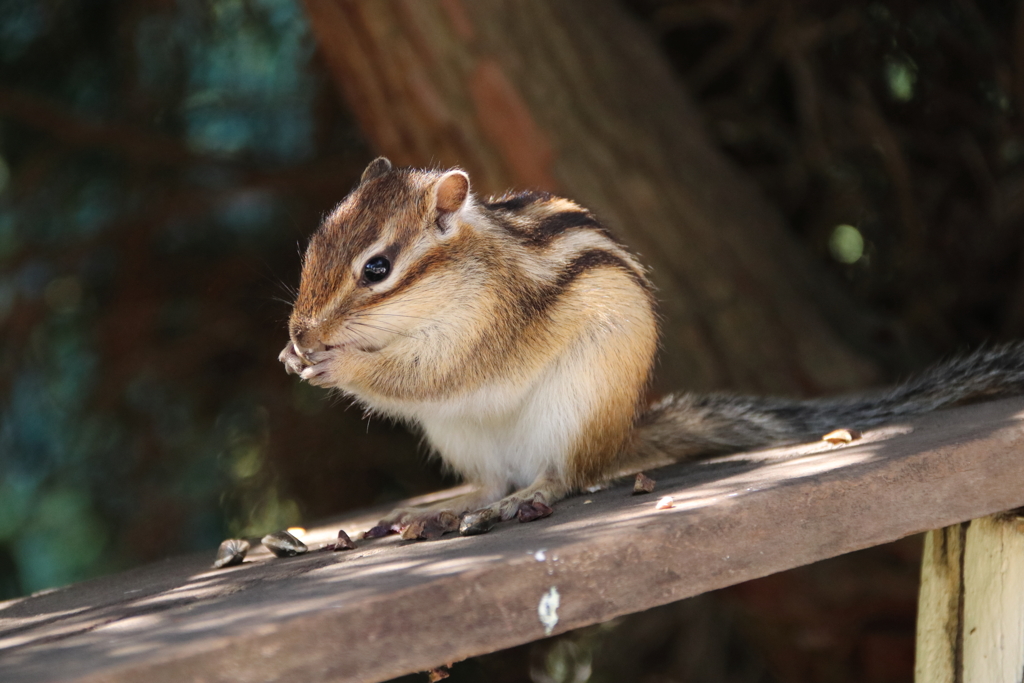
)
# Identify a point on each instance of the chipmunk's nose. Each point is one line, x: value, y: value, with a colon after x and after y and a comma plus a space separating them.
x: 306, y: 342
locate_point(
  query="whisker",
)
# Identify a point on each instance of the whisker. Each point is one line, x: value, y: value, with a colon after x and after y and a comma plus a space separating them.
x: 360, y: 335
x: 365, y: 323
x: 371, y: 314
x: 382, y: 329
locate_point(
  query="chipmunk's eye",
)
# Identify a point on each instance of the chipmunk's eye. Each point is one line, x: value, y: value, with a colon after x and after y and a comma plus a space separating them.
x: 376, y: 269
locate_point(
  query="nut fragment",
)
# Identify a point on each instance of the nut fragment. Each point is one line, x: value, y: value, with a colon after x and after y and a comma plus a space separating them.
x: 343, y: 543
x: 231, y: 552
x: 283, y: 544
x: 431, y: 528
x: 433, y: 531
x: 381, y: 530
x: 529, y: 512
x: 438, y: 673
x: 413, y: 530
x: 440, y: 524
x: 664, y: 503
x: 479, y: 522
x: 643, y: 484
x: 841, y: 436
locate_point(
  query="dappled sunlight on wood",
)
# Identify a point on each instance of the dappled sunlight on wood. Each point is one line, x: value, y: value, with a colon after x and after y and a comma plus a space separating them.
x: 735, y: 518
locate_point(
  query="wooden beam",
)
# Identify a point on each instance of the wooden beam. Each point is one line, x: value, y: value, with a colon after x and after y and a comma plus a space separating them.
x: 971, y: 611
x: 391, y: 607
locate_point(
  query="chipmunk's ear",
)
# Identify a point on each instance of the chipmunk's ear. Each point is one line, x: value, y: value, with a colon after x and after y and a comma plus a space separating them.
x: 451, y: 191
x: 377, y: 168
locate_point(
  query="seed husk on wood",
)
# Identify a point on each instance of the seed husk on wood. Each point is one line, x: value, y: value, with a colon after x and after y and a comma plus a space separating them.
x: 643, y: 484
x: 529, y: 512
x: 283, y: 544
x: 380, y: 531
x: 479, y: 522
x: 231, y: 552
x: 432, y: 527
x: 841, y: 436
x: 438, y: 673
x: 343, y: 543
x: 413, y: 530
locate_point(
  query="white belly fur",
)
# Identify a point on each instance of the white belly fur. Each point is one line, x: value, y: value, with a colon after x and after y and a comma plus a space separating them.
x: 502, y: 435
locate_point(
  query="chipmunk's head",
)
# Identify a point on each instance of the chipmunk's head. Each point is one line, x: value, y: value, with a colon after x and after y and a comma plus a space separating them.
x: 383, y: 263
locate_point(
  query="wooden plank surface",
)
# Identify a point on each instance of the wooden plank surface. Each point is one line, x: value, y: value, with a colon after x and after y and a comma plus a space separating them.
x: 392, y: 607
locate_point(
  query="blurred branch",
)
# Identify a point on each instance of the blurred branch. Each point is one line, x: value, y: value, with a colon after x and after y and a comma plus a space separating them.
x: 696, y: 13
x: 746, y: 28
x: 153, y: 149
x: 1017, y: 57
x: 52, y: 118
x: 877, y: 130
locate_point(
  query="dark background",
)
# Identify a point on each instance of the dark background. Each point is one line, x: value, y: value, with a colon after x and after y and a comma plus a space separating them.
x: 162, y: 164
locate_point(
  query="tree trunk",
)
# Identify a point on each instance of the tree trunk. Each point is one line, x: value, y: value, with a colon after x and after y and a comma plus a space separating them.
x: 572, y: 97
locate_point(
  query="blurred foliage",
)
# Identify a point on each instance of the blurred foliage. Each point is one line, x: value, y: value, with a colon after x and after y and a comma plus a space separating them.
x: 160, y: 165
x: 899, y: 120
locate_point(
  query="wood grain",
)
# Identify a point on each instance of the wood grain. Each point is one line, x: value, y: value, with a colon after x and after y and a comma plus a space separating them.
x: 393, y: 607
x: 971, y: 612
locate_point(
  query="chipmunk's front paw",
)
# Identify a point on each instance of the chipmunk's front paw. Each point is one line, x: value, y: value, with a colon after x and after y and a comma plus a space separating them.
x: 293, y: 362
x: 312, y: 367
x: 317, y: 374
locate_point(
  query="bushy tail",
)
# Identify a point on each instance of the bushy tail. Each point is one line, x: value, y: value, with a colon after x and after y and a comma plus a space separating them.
x: 684, y: 426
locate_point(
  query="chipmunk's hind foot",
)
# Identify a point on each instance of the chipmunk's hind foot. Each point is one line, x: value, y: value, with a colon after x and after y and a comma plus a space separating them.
x: 533, y: 502
x: 430, y: 522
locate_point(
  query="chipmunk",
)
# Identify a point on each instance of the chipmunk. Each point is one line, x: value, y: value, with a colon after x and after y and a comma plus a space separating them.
x: 519, y: 335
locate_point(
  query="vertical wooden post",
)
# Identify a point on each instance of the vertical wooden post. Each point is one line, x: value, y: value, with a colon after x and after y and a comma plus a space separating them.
x: 939, y: 606
x: 970, y: 625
